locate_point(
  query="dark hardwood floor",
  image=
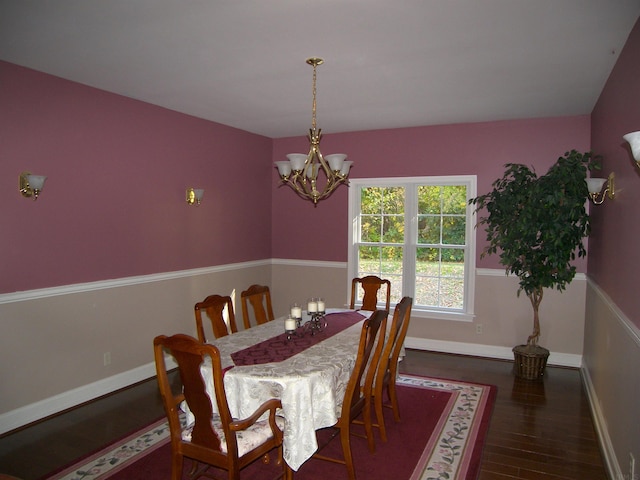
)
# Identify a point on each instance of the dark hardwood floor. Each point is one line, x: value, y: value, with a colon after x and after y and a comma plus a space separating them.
x: 539, y: 430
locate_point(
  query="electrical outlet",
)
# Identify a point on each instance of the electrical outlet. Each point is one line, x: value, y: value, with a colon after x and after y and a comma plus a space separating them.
x: 632, y: 466
x: 479, y: 329
x: 106, y: 358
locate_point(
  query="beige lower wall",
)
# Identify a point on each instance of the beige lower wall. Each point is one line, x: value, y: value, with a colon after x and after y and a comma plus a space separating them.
x: 54, y: 341
x: 506, y: 319
x: 610, y: 369
x: 297, y: 281
x: 52, y: 345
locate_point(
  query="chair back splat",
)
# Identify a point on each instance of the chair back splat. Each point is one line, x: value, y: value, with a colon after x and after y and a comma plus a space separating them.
x: 214, y: 307
x: 214, y: 438
x: 370, y: 286
x: 385, y: 378
x: 259, y: 297
x: 358, y: 393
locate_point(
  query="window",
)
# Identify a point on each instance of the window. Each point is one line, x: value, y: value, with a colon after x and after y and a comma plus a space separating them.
x: 418, y: 233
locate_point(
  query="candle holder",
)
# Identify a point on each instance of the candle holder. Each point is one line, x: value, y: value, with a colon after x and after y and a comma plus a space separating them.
x: 296, y: 313
x: 290, y: 326
x: 317, y: 323
x: 321, y: 305
x: 312, y: 306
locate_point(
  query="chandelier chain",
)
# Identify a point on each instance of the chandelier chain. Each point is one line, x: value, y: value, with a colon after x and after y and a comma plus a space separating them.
x: 313, y: 107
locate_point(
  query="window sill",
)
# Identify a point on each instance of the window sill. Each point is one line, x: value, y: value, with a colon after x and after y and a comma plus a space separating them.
x: 438, y: 315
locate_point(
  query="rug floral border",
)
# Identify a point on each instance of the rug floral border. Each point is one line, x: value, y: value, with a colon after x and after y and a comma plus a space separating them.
x: 455, y: 438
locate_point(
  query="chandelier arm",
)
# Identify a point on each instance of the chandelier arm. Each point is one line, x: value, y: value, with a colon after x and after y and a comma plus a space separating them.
x: 298, y: 184
x: 325, y: 165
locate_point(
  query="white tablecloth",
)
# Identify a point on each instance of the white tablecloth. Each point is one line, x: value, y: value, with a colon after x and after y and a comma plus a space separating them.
x: 311, y: 384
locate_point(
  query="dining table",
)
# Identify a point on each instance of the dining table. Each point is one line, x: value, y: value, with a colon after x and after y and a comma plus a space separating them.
x: 307, y: 372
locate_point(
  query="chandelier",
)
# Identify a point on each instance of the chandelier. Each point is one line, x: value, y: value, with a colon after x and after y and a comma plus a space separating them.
x: 302, y: 171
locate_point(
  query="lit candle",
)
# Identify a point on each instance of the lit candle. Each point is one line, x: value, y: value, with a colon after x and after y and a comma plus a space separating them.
x: 312, y: 306
x: 321, y: 305
x: 296, y: 311
x: 290, y: 324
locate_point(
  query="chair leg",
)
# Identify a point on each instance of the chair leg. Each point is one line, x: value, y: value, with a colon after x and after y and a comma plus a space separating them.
x: 234, y: 472
x: 288, y: 473
x: 346, y: 449
x: 391, y: 389
x: 176, y: 466
x: 377, y: 402
x: 368, y: 427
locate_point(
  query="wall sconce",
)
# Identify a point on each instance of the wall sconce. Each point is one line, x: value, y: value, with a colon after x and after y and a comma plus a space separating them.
x: 194, y: 196
x: 634, y: 141
x: 31, y: 185
x: 596, y: 194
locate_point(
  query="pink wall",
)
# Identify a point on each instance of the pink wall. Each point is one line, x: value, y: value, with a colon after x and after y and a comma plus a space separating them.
x: 132, y: 219
x: 615, y: 261
x: 301, y: 231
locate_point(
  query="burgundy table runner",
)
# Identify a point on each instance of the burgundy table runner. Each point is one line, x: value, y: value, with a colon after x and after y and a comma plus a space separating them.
x: 278, y: 348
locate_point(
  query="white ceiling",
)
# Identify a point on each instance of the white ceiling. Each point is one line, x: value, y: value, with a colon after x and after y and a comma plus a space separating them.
x: 387, y: 63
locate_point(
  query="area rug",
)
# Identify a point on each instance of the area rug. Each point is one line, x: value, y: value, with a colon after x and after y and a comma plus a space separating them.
x: 441, y: 435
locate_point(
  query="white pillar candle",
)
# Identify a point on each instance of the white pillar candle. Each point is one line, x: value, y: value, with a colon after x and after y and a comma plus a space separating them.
x: 296, y: 312
x: 312, y: 306
x: 290, y: 324
x: 321, y: 305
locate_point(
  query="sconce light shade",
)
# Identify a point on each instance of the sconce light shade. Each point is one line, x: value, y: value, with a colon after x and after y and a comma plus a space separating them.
x: 194, y: 196
x: 634, y: 142
x: 31, y: 185
x: 594, y: 185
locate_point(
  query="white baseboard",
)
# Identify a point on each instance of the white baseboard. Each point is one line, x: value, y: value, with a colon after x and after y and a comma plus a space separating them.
x: 58, y: 403
x: 600, y: 424
x: 489, y: 351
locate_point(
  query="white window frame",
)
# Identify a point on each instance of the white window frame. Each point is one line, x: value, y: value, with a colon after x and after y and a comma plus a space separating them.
x: 466, y: 314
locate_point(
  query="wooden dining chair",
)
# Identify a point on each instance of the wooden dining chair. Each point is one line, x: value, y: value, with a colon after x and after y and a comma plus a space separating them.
x: 387, y: 371
x: 259, y: 297
x: 357, y: 392
x: 370, y: 285
x: 214, y: 439
x: 214, y: 306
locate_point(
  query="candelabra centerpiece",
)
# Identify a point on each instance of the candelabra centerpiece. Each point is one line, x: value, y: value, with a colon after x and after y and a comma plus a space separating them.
x: 293, y: 324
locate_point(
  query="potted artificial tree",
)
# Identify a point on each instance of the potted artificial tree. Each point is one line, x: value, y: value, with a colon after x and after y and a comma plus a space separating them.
x: 536, y: 226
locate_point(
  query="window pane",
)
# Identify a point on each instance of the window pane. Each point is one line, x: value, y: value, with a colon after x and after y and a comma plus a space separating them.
x: 427, y: 261
x: 396, y: 288
x: 368, y: 259
x: 370, y: 228
x: 370, y: 200
x: 393, y: 200
x: 454, y: 199
x: 393, y: 229
x: 453, y: 230
x: 426, y: 291
x: 429, y: 230
x: 391, y: 261
x: 454, y: 259
x: 429, y: 199
x: 452, y: 292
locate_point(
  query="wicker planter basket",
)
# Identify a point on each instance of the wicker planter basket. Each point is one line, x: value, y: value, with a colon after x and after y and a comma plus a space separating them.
x: 530, y: 361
